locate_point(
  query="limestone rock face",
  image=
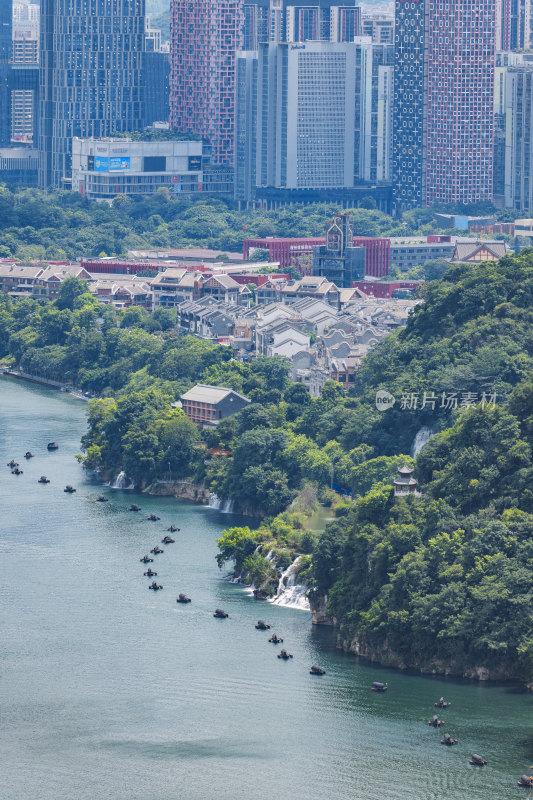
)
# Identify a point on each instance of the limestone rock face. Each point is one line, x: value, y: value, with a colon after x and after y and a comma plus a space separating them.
x: 319, y: 607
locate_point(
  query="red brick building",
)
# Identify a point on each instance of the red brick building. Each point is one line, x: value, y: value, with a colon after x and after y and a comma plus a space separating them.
x: 298, y: 253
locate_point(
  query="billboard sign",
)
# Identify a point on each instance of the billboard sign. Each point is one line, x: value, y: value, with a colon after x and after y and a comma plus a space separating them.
x: 195, y: 163
x: 119, y: 163
x: 101, y: 164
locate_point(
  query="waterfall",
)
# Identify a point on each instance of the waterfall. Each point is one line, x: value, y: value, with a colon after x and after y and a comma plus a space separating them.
x: 421, y: 439
x: 217, y: 504
x: 121, y: 482
x: 289, y: 593
x: 214, y: 501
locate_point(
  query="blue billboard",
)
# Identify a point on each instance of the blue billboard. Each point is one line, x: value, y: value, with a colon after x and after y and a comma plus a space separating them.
x: 101, y: 164
x: 119, y: 163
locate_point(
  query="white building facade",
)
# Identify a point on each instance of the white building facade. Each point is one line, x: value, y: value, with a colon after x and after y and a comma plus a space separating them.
x: 104, y: 168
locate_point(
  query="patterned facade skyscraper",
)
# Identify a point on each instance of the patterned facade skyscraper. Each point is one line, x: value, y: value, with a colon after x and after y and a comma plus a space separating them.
x: 443, y: 136
x: 410, y: 83
x: 204, y: 38
x: 90, y: 77
x: 460, y: 101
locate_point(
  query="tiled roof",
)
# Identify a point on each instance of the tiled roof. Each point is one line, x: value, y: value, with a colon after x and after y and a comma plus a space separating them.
x: 201, y: 393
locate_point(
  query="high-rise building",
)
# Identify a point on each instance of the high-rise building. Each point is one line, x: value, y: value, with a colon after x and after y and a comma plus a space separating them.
x: 307, y: 23
x: 460, y: 101
x: 5, y: 58
x: 379, y: 114
x: 245, y: 122
x: 410, y: 86
x: 322, y: 21
x: 314, y: 114
x: 344, y: 23
x: 379, y: 28
x: 276, y: 22
x: 90, y: 77
x: 513, y: 152
x: 25, y: 61
x: 156, y: 77
x: 204, y: 39
x: 515, y: 127
x: 514, y: 19
x: 444, y: 100
x: 256, y: 24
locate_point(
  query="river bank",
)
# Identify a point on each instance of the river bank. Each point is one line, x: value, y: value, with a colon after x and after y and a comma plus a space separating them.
x: 47, y: 382
x: 385, y: 657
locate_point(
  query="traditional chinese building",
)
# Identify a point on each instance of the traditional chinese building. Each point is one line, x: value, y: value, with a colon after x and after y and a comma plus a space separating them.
x: 405, y: 484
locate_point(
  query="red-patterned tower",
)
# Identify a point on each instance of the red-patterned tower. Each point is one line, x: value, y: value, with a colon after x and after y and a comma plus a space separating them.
x: 461, y: 38
x: 204, y: 37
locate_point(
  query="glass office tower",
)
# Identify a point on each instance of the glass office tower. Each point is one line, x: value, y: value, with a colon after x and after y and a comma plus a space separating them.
x: 90, y: 77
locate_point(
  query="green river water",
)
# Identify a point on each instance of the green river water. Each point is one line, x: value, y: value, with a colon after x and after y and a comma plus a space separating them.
x: 110, y: 691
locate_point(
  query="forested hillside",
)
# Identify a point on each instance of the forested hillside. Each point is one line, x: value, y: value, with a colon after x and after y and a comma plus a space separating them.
x: 445, y: 581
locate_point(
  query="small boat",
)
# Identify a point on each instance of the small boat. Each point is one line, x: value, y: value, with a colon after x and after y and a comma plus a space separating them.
x: 436, y: 722
x: 52, y: 446
x: 69, y: 489
x: 173, y: 529
x: 155, y: 586
x: 262, y: 626
x: 182, y: 598
x: 27, y: 454
x: 102, y: 499
x: 448, y: 740
x: 133, y: 507
x: 284, y: 655
x: 156, y: 550
x: 442, y: 703
x: 377, y: 686
x: 317, y: 670
x: 146, y: 560
x: 477, y: 761
x: 12, y: 463
x: 275, y: 639
x: 150, y: 573
x: 43, y: 479
x: 526, y: 781
x: 17, y: 471
x: 153, y: 517
x: 220, y: 614
x: 167, y: 540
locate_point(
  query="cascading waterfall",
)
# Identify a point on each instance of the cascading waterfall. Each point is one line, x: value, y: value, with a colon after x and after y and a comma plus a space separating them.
x: 214, y: 501
x: 289, y: 593
x: 121, y: 482
x: 421, y: 439
x: 217, y: 504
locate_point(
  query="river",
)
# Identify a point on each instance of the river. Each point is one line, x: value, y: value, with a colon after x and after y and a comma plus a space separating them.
x: 111, y: 691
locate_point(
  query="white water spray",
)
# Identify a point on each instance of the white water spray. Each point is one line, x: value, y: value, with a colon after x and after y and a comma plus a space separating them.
x: 121, y: 482
x: 421, y: 439
x: 289, y: 593
x: 217, y: 504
